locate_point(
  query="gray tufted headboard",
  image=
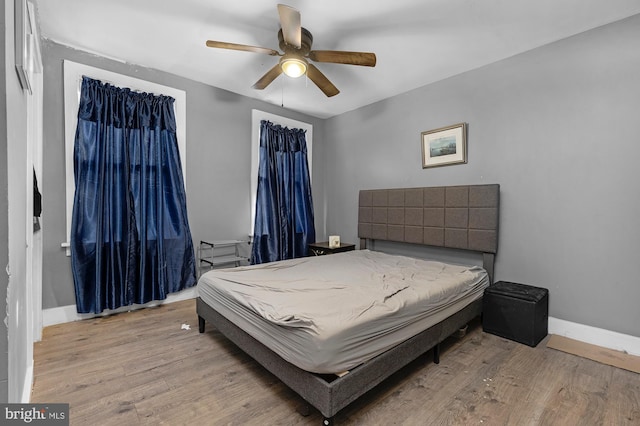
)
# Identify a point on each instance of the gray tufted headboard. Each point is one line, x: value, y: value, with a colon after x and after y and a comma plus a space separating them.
x: 460, y: 217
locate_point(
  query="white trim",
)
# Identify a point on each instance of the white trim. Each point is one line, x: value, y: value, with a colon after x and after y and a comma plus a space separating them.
x: 595, y: 336
x: 64, y: 314
x: 256, y: 117
x: 35, y: 135
x: 73, y: 73
x: 28, y: 385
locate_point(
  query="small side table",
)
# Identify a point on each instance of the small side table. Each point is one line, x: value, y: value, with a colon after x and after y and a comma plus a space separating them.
x: 322, y: 248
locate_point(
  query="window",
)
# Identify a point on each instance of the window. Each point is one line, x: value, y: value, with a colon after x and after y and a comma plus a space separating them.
x: 256, y: 117
x: 73, y: 73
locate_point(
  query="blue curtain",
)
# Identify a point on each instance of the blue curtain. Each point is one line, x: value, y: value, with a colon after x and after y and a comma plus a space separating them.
x: 284, y: 208
x: 130, y: 237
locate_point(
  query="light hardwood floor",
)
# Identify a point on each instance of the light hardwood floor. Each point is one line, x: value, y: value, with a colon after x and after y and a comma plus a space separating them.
x: 142, y: 368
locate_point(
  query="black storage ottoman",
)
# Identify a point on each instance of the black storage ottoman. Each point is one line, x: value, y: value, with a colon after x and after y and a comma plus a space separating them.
x: 515, y: 311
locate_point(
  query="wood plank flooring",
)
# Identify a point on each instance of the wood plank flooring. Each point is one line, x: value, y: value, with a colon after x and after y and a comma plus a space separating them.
x: 142, y: 368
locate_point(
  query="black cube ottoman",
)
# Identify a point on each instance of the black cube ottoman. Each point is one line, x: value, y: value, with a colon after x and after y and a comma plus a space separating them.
x: 515, y: 311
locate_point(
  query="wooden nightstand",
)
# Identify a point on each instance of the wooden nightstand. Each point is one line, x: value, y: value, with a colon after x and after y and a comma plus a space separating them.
x: 323, y: 248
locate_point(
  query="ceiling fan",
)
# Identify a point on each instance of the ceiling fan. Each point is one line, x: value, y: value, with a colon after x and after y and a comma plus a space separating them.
x: 296, y: 42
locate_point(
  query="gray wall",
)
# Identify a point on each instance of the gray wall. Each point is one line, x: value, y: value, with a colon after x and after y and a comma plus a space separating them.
x: 553, y: 126
x: 218, y: 161
x: 556, y: 128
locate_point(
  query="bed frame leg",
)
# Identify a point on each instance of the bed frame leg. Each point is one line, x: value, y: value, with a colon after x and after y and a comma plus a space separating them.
x: 436, y: 354
x: 304, y: 409
x: 327, y: 421
x: 200, y: 324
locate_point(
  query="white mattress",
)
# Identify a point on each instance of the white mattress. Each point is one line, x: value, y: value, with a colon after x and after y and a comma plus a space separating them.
x: 328, y: 314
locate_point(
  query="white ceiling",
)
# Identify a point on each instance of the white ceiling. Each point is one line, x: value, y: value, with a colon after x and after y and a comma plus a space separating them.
x: 417, y: 42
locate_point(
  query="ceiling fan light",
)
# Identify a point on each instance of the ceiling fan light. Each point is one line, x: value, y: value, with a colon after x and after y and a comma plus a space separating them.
x: 293, y: 67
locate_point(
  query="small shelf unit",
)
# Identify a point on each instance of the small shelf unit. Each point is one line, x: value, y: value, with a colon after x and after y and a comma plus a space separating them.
x: 216, y: 253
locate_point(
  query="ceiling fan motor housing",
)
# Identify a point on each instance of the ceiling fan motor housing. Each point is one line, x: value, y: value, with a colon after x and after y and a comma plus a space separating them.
x: 305, y: 45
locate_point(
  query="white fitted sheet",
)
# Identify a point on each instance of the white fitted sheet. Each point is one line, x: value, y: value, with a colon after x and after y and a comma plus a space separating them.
x: 328, y: 314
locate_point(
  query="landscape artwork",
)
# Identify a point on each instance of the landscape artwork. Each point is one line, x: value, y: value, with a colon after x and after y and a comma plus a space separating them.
x: 444, y: 146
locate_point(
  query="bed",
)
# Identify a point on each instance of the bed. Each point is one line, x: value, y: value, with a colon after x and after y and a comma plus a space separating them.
x: 330, y: 360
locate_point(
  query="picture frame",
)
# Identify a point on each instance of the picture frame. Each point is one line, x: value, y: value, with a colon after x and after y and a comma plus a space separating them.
x: 444, y: 146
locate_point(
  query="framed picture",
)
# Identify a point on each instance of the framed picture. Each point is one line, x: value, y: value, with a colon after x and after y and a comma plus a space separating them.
x: 444, y: 146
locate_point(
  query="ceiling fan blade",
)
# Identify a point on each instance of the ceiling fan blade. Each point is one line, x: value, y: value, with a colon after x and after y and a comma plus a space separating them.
x: 290, y: 23
x: 242, y: 47
x: 340, y: 57
x: 266, y: 79
x: 321, y: 81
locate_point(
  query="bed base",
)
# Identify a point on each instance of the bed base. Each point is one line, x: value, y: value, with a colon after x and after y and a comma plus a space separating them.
x: 330, y: 394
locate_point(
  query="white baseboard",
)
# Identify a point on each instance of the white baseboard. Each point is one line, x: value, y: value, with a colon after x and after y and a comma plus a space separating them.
x: 28, y: 384
x: 62, y: 314
x: 595, y: 336
x: 584, y: 333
